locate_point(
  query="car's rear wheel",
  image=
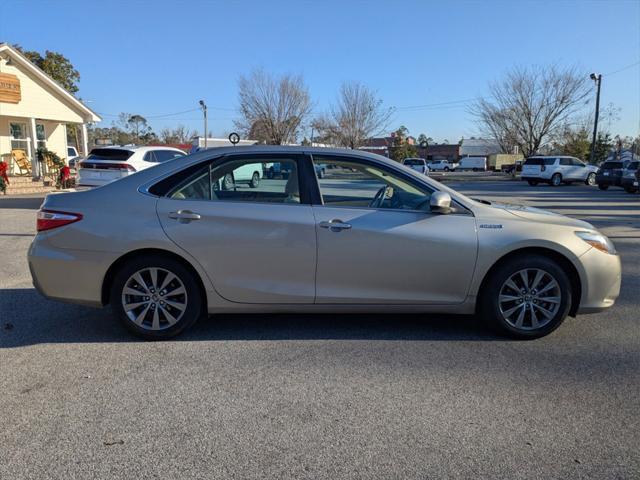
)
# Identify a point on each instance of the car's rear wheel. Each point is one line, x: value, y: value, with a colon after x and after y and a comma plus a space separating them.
x: 602, y: 186
x: 156, y: 297
x: 526, y: 298
x: 532, y: 183
x: 556, y: 179
x: 446, y: 169
x: 591, y: 179
x: 255, y: 180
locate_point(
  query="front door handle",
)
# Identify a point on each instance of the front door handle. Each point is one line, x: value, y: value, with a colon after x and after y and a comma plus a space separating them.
x: 335, y: 225
x: 184, y: 216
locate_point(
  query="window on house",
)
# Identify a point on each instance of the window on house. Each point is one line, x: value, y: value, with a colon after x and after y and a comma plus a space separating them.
x: 19, y: 139
x: 41, y: 137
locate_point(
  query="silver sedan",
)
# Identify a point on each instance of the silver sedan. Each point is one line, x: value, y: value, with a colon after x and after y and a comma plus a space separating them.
x: 175, y: 242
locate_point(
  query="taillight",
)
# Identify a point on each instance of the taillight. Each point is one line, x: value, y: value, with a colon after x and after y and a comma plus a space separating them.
x: 125, y: 167
x: 48, y: 219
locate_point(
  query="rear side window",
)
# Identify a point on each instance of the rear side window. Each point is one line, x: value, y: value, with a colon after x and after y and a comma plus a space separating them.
x: 164, y: 155
x: 566, y: 162
x: 116, y: 154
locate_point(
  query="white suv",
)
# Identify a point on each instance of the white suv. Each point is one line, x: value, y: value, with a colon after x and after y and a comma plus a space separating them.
x: 417, y: 164
x: 104, y: 165
x: 556, y: 170
x: 443, y: 165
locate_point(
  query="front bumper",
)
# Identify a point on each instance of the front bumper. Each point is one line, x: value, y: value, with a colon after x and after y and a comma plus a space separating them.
x: 73, y: 276
x: 601, y: 277
x: 609, y: 180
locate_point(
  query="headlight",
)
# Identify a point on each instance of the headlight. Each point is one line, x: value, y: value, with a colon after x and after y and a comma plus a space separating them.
x: 599, y: 241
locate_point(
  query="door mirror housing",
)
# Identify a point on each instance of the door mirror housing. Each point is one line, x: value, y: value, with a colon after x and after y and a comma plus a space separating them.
x: 440, y: 202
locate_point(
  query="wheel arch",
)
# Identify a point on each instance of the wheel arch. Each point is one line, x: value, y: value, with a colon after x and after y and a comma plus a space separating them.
x: 120, y: 261
x: 562, y: 260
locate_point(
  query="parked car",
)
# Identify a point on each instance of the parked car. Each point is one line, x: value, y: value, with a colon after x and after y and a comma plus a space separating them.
x: 630, y: 176
x: 556, y: 170
x: 610, y: 173
x: 104, y: 165
x: 321, y: 170
x: 167, y: 246
x: 417, y: 164
x: 72, y: 157
x: 442, y: 166
x: 248, y: 173
x: 476, y: 164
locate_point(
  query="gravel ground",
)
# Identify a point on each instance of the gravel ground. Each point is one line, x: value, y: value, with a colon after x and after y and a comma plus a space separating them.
x: 335, y: 396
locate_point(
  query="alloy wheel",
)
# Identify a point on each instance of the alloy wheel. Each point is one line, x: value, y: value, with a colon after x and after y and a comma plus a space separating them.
x: 529, y: 299
x: 154, y: 298
x: 591, y: 179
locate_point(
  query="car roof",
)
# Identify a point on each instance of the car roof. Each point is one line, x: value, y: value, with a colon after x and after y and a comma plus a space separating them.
x: 136, y: 148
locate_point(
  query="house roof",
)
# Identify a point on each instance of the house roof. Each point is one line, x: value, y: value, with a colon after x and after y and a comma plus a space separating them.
x: 87, y: 113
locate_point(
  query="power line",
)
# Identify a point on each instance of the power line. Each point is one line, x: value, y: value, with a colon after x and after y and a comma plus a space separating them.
x: 622, y: 69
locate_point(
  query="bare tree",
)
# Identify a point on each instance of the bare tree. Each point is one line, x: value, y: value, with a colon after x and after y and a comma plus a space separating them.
x: 179, y: 134
x: 529, y: 105
x: 357, y: 116
x: 272, y: 109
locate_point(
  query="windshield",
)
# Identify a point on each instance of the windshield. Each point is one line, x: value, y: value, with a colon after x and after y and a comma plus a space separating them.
x: 413, y: 162
x: 611, y: 165
x: 539, y: 161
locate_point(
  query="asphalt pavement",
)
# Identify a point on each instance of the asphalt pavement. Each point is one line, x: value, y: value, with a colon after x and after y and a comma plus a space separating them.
x: 322, y: 396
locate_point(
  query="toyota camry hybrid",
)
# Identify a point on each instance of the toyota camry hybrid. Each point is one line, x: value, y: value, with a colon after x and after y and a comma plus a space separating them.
x: 170, y: 244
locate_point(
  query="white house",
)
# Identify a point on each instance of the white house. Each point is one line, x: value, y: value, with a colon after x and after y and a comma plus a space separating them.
x: 34, y: 112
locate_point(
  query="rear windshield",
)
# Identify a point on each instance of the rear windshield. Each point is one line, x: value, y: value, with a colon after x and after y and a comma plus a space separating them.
x: 540, y: 161
x: 413, y: 162
x: 109, y: 154
x: 611, y: 165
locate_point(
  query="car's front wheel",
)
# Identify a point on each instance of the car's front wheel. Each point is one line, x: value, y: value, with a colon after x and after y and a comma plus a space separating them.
x: 591, y: 179
x: 156, y: 297
x: 526, y: 298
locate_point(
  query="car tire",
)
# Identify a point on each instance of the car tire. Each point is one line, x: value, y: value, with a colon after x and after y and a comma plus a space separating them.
x: 255, y: 180
x: 556, y: 180
x: 602, y: 186
x: 446, y: 169
x: 532, y: 183
x: 515, y: 314
x: 152, y: 318
x: 591, y: 179
x: 228, y: 182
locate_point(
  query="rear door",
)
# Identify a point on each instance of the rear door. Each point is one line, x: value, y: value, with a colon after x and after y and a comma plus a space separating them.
x: 378, y: 243
x: 532, y: 167
x: 257, y: 244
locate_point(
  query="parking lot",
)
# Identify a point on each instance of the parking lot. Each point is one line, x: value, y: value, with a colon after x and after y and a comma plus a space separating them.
x: 322, y: 396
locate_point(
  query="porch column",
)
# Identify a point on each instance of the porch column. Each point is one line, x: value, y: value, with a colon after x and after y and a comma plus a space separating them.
x: 35, y: 164
x: 85, y: 141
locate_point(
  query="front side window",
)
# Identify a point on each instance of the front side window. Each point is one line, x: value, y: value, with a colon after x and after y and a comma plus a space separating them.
x: 351, y: 183
x: 242, y: 180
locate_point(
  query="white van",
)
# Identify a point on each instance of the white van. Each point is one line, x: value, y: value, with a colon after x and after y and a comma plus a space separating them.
x: 477, y: 164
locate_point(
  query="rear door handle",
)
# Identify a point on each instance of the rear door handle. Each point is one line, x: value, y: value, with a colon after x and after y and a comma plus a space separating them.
x: 335, y: 225
x: 184, y: 216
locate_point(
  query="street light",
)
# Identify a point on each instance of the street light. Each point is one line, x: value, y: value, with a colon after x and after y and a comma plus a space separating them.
x: 598, y: 80
x: 204, y: 112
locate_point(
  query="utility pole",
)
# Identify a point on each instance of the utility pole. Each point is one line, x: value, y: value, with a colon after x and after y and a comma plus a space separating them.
x: 598, y: 80
x: 204, y: 112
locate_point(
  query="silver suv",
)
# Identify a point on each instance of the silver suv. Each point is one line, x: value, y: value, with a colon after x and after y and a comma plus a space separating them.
x: 556, y: 170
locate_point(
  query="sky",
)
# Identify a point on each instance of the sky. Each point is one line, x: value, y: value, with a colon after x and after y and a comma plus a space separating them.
x: 426, y: 59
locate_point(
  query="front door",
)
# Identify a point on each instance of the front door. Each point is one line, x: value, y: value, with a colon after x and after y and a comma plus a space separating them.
x: 378, y: 242
x: 255, y: 239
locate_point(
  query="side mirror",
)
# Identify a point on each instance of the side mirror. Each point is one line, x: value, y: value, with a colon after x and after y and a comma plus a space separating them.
x: 440, y: 202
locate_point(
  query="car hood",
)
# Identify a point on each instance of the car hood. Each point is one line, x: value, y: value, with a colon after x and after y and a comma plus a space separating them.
x: 533, y: 214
